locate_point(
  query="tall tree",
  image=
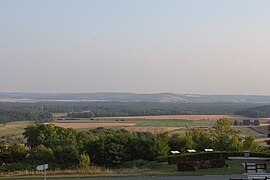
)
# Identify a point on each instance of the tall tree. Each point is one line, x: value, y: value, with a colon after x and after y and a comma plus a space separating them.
x: 223, y: 135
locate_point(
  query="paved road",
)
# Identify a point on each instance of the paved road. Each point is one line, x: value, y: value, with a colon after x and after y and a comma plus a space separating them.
x: 225, y: 177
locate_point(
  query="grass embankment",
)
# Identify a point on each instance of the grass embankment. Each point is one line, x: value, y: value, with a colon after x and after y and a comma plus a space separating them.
x: 141, y: 168
x: 133, y: 168
x: 93, y: 171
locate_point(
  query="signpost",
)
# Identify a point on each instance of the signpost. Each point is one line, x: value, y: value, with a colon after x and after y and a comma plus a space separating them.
x: 43, y: 167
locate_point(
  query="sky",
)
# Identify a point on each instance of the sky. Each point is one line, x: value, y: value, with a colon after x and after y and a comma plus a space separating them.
x: 143, y: 46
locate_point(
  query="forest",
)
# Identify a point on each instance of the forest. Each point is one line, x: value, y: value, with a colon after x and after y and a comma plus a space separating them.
x: 108, y: 109
x: 256, y: 112
x: 24, y: 115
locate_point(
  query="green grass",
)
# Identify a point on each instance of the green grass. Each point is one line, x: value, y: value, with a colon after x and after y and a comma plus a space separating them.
x: 14, y: 129
x: 132, y: 168
x: 175, y: 123
x: 163, y: 169
x: 268, y: 168
x: 247, y: 131
x: 151, y: 122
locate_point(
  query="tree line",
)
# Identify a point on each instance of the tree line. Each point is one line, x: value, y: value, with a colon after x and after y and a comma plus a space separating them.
x: 24, y: 115
x: 129, y: 108
x: 256, y: 112
x: 69, y: 148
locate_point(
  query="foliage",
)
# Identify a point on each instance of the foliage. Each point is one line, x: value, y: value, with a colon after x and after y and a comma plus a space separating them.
x: 109, y: 109
x: 181, y: 143
x: 250, y: 144
x: 203, y: 156
x: 49, y: 136
x: 66, y: 156
x: 24, y: 115
x: 17, y: 152
x: 201, y: 138
x: 41, y: 155
x: 224, y: 137
x: 160, y: 146
x: 69, y: 148
x: 256, y: 112
x: 84, y: 161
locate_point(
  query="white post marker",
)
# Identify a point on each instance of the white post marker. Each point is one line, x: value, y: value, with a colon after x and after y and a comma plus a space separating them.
x: 43, y: 167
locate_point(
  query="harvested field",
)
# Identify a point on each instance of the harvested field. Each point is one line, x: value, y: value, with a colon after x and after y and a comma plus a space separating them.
x: 57, y: 115
x: 90, y: 125
x: 261, y: 129
x: 14, y: 129
x: 185, y: 117
x: 248, y: 131
x: 262, y: 140
x: 152, y: 129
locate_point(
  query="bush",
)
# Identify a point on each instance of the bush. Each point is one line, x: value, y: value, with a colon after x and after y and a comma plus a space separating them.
x: 204, y: 156
x: 84, y: 161
x: 187, y: 166
x: 194, y: 165
x: 251, y: 154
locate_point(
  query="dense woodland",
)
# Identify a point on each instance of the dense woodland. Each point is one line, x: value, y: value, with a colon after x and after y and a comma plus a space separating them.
x: 98, y: 109
x: 69, y: 148
x: 41, y: 111
x: 256, y: 112
x: 24, y: 115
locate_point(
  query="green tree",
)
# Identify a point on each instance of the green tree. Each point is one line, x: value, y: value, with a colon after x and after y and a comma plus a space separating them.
x: 235, y: 143
x: 201, y: 138
x: 140, y: 147
x: 223, y: 135
x: 17, y: 152
x: 41, y: 155
x: 84, y: 137
x: 160, y: 145
x: 250, y: 144
x: 66, y: 156
x: 181, y: 142
x: 49, y: 135
x: 84, y: 160
x: 3, y: 152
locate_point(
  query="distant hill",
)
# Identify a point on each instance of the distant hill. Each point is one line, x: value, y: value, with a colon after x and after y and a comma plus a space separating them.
x: 256, y: 112
x: 134, y: 97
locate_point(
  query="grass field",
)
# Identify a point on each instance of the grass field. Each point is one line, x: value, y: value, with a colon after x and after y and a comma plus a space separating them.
x: 14, y: 129
x: 57, y: 115
x: 248, y: 131
x: 136, y: 124
x: 154, y: 124
x: 133, y: 168
x: 168, y: 123
x: 185, y: 117
x: 163, y: 169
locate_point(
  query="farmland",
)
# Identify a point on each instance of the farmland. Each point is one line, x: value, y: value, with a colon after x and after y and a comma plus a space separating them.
x: 14, y: 129
x: 154, y: 124
x: 90, y: 125
x: 165, y: 123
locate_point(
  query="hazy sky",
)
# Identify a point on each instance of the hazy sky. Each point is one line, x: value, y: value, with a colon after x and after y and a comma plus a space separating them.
x: 182, y: 46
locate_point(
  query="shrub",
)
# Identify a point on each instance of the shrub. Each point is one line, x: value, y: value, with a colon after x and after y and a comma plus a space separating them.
x: 84, y: 161
x: 187, y: 166
x: 204, y: 156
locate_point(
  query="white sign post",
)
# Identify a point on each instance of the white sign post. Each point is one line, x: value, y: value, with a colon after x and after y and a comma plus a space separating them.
x: 43, y: 167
